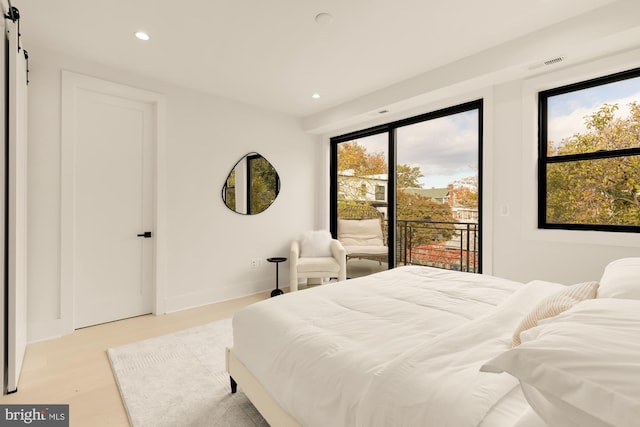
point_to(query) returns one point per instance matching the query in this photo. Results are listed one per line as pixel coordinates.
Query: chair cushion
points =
(360, 232)
(366, 250)
(318, 264)
(315, 244)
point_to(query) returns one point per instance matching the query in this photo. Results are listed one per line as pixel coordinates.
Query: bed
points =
(418, 346)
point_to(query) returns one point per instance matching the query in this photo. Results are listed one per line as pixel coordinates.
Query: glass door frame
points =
(390, 129)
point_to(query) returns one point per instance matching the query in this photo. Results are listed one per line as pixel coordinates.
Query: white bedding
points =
(402, 347)
(508, 411)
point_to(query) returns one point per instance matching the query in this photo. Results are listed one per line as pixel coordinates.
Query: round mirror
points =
(252, 185)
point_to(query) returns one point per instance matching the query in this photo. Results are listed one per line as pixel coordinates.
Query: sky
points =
(567, 112)
(445, 149)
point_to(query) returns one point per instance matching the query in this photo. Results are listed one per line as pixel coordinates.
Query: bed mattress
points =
(395, 348)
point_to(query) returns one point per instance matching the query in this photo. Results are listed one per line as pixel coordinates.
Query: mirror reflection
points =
(252, 185)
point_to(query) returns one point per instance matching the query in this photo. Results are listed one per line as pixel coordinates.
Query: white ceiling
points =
(272, 53)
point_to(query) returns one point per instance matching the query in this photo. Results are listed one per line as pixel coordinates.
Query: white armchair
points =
(316, 256)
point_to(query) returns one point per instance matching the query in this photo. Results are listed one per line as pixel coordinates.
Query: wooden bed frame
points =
(264, 403)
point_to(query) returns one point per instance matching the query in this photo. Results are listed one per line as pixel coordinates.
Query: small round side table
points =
(277, 291)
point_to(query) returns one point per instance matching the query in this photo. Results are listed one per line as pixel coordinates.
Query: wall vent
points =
(554, 60)
(547, 62)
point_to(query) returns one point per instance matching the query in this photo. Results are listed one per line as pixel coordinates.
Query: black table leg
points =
(277, 291)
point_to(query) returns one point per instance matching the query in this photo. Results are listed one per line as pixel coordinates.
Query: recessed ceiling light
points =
(315, 96)
(142, 35)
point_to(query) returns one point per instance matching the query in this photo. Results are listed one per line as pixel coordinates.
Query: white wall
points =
(513, 247)
(522, 251)
(209, 247)
(507, 77)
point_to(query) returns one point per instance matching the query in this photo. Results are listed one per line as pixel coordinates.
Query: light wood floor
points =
(75, 370)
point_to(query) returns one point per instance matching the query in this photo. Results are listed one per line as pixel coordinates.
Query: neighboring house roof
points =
(434, 193)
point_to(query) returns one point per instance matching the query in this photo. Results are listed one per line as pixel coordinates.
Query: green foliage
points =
(417, 210)
(465, 192)
(408, 176)
(230, 190)
(597, 191)
(354, 157)
(264, 184)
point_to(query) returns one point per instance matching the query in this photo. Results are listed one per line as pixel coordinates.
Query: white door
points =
(112, 205)
(16, 209)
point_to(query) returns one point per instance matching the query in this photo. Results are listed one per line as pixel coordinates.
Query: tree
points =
(415, 210)
(465, 191)
(603, 190)
(264, 184)
(354, 157)
(407, 176)
(230, 190)
(356, 165)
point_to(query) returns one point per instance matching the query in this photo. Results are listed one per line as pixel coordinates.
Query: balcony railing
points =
(448, 245)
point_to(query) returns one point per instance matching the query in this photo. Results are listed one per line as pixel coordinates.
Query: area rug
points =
(179, 379)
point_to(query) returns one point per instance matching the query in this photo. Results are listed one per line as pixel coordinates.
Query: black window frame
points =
(390, 129)
(544, 159)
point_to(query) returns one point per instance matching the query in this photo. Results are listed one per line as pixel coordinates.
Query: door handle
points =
(146, 235)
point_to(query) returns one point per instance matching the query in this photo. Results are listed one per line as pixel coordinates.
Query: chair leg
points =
(234, 384)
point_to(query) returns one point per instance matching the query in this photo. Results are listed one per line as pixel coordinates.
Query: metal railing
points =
(448, 245)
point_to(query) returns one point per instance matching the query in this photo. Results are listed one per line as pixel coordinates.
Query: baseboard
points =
(219, 294)
(43, 331)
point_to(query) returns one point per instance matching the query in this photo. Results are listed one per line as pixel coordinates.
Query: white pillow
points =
(582, 367)
(554, 305)
(621, 279)
(315, 244)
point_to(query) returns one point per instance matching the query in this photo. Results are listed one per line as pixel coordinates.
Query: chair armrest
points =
(337, 250)
(294, 254)
(340, 254)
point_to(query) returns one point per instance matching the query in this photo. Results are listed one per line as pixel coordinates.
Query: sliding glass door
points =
(429, 210)
(362, 189)
(437, 191)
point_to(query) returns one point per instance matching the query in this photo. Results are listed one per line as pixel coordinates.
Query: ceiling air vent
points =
(554, 60)
(547, 62)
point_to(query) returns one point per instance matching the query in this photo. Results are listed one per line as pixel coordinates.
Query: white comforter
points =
(399, 348)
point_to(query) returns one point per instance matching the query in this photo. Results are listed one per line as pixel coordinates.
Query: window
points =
(363, 191)
(431, 205)
(589, 155)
